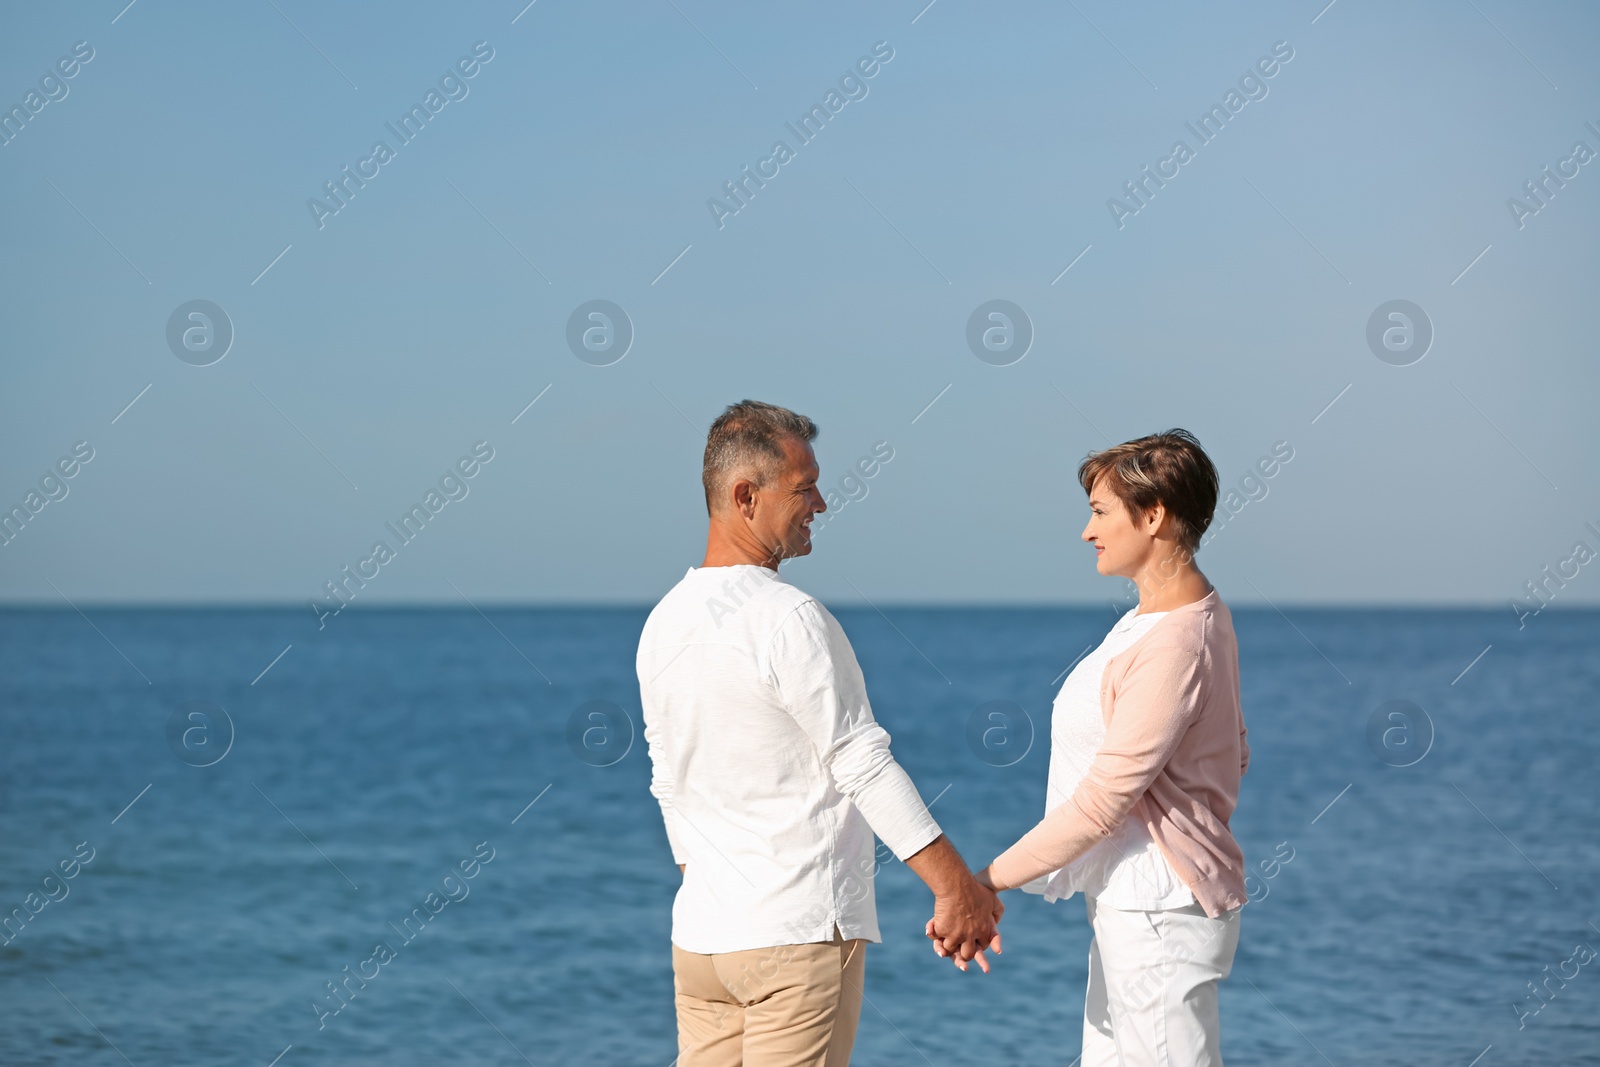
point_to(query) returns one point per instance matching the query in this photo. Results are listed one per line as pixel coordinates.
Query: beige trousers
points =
(786, 1006)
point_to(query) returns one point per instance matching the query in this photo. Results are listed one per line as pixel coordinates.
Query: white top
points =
(771, 773)
(1126, 870)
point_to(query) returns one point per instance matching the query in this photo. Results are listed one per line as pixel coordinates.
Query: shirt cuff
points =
(670, 819)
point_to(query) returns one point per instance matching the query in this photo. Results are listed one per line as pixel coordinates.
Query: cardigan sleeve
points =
(1155, 704)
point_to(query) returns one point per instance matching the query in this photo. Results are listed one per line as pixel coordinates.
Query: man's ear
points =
(744, 497)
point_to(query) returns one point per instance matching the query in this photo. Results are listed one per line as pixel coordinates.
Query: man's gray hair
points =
(747, 441)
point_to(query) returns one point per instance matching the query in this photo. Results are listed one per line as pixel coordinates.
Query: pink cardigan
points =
(1172, 758)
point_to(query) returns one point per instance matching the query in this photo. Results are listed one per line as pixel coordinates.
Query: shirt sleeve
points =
(814, 670)
(1158, 700)
(661, 777)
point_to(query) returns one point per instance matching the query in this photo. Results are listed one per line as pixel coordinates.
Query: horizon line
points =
(630, 605)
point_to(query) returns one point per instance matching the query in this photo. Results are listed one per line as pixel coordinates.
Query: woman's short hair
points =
(1168, 468)
(747, 441)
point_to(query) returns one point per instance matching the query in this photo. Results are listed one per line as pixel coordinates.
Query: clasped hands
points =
(966, 922)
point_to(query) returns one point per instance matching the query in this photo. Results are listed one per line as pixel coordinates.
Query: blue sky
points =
(372, 352)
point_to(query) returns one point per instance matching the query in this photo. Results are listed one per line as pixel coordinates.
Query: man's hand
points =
(971, 932)
(940, 947)
(964, 912)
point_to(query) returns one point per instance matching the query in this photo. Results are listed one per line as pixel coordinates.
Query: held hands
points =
(965, 909)
(965, 923)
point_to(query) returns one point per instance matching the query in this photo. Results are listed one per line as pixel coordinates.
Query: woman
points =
(1147, 748)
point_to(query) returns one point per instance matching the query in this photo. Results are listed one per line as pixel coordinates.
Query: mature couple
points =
(773, 777)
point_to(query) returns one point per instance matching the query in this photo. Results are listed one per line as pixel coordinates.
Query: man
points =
(772, 777)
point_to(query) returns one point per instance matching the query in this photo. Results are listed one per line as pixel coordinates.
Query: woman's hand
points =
(943, 953)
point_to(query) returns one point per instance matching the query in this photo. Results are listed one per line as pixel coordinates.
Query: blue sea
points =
(207, 816)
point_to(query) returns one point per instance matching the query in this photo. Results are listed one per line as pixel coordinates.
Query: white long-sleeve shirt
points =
(771, 773)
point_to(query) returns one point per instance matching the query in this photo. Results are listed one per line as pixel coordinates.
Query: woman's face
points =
(1120, 548)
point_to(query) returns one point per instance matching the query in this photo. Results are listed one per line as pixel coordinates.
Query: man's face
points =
(787, 503)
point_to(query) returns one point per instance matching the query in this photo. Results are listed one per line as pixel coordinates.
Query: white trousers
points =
(1152, 995)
